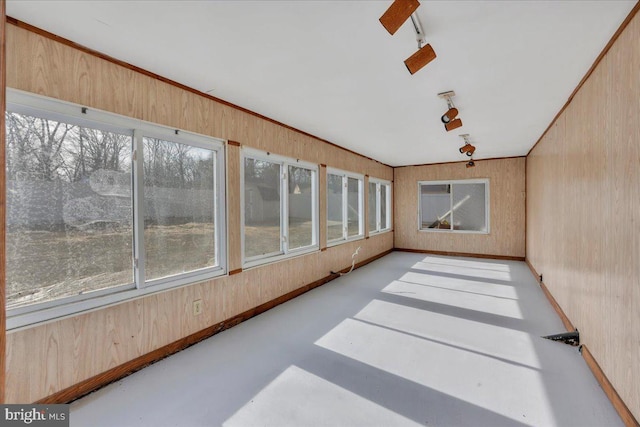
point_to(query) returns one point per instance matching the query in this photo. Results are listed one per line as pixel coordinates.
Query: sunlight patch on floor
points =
(468, 262)
(493, 341)
(462, 267)
(454, 298)
(464, 285)
(495, 385)
(298, 398)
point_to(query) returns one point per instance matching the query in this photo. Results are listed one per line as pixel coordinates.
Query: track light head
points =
(449, 115)
(422, 57)
(468, 149)
(397, 14)
(449, 118)
(453, 124)
(470, 164)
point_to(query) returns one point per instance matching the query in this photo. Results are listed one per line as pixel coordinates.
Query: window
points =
(280, 207)
(454, 206)
(345, 194)
(179, 202)
(379, 205)
(101, 208)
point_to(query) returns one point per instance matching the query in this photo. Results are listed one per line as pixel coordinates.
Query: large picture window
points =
(69, 209)
(280, 207)
(454, 206)
(101, 208)
(179, 202)
(345, 201)
(379, 205)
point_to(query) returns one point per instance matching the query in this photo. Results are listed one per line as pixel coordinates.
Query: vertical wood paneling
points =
(365, 217)
(3, 20)
(47, 358)
(234, 222)
(583, 213)
(507, 208)
(322, 187)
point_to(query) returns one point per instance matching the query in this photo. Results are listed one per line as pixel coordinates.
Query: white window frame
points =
(345, 206)
(484, 181)
(54, 109)
(284, 162)
(379, 226)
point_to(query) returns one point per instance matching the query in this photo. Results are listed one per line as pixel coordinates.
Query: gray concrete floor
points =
(410, 339)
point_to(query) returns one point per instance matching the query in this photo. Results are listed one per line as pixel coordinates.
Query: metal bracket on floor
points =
(571, 338)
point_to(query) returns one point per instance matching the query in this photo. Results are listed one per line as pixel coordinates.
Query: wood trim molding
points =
(236, 271)
(91, 384)
(3, 90)
(234, 143)
(459, 161)
(606, 49)
(617, 402)
(463, 254)
(565, 320)
(67, 42)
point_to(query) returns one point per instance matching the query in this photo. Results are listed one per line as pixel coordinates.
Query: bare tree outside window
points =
(179, 206)
(262, 207)
(69, 209)
(300, 207)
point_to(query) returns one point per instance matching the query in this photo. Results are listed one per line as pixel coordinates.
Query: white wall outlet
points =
(197, 307)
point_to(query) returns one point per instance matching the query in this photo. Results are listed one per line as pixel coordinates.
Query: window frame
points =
(284, 162)
(345, 206)
(27, 103)
(484, 181)
(379, 183)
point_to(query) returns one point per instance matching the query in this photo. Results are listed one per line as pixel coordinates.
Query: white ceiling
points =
(329, 68)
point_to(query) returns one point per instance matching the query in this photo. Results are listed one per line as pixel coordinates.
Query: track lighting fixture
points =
(397, 14)
(470, 164)
(467, 148)
(449, 117)
(455, 124)
(425, 53)
(422, 57)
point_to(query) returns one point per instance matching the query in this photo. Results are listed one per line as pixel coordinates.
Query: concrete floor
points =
(410, 339)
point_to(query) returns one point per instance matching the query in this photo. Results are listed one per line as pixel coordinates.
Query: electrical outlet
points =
(197, 307)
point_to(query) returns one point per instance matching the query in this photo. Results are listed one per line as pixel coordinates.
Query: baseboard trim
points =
(565, 320)
(89, 385)
(617, 402)
(462, 254)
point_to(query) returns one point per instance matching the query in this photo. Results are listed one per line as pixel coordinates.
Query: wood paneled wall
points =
(583, 213)
(3, 11)
(507, 208)
(46, 358)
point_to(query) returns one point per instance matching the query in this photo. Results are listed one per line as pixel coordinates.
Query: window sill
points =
(377, 233)
(23, 317)
(281, 257)
(446, 231)
(341, 241)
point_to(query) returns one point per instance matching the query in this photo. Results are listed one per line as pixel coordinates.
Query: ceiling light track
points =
(417, 28)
